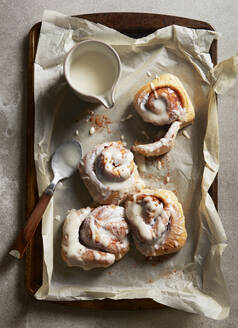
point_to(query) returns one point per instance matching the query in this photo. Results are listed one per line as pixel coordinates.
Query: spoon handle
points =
(23, 239)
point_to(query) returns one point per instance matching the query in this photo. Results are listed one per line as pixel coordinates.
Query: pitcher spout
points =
(107, 100)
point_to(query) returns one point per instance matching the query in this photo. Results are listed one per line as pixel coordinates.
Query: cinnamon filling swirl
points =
(105, 229)
(161, 106)
(95, 238)
(115, 162)
(157, 222)
(165, 102)
(149, 217)
(110, 173)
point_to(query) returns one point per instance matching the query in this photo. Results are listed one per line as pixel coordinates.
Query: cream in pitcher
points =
(92, 69)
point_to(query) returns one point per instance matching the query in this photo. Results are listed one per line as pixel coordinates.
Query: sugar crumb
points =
(57, 217)
(92, 130)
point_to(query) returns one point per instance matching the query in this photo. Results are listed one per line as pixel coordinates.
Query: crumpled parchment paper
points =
(190, 280)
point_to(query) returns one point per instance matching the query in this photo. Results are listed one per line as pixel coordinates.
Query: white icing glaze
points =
(148, 218)
(152, 86)
(76, 254)
(116, 160)
(106, 228)
(99, 185)
(160, 107)
(157, 114)
(161, 146)
(155, 94)
(134, 214)
(155, 221)
(142, 102)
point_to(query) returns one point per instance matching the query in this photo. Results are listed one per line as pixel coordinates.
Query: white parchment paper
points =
(190, 280)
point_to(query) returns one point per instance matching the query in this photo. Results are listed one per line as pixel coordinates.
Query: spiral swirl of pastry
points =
(95, 238)
(110, 173)
(157, 222)
(163, 101)
(116, 162)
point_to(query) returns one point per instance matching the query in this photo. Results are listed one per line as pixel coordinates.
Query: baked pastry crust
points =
(163, 101)
(110, 173)
(95, 238)
(157, 222)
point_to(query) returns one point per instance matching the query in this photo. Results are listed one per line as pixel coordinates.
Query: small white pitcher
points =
(92, 69)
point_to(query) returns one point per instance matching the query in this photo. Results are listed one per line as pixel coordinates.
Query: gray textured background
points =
(17, 309)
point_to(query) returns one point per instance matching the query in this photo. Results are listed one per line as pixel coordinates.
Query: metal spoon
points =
(64, 163)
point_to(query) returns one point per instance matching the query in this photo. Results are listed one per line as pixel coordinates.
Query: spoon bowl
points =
(64, 163)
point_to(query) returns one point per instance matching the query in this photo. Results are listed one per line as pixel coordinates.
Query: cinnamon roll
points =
(157, 222)
(110, 173)
(95, 238)
(164, 101)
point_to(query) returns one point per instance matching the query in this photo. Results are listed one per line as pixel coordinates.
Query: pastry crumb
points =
(122, 137)
(92, 130)
(128, 117)
(148, 73)
(167, 179)
(185, 134)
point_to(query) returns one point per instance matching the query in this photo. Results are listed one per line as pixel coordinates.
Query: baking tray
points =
(135, 25)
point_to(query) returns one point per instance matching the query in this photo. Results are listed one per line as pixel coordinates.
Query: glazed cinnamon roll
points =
(95, 238)
(110, 173)
(157, 222)
(164, 101)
